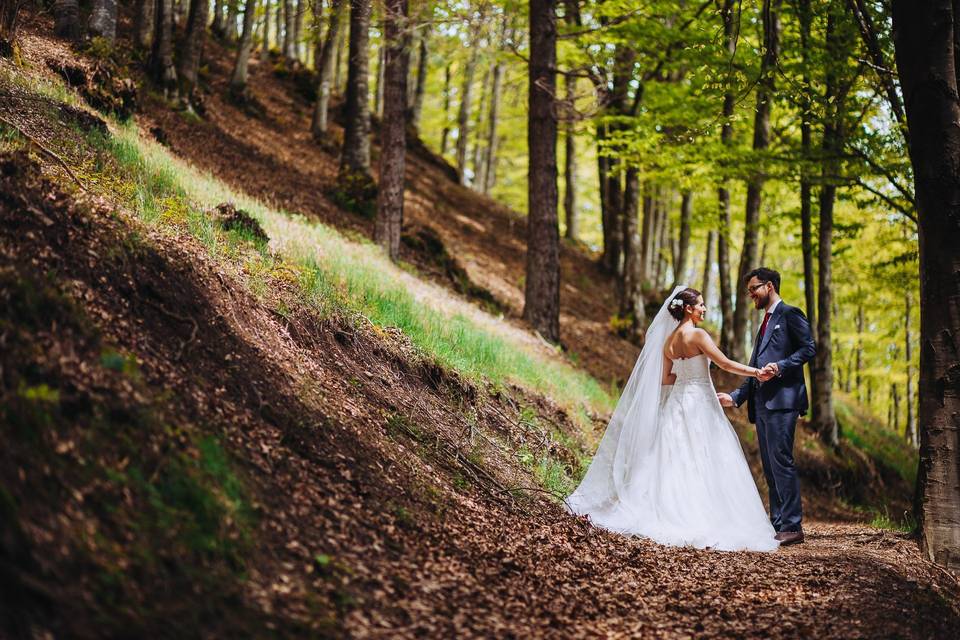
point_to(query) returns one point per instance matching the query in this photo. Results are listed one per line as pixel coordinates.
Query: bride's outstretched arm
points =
(703, 340)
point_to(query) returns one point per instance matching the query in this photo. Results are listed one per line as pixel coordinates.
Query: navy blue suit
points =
(775, 405)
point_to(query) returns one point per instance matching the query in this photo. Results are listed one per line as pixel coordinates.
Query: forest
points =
(308, 304)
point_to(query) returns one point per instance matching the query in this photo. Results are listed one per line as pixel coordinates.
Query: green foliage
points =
(866, 433)
(356, 191)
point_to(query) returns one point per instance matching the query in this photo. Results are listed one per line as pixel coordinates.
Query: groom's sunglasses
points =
(757, 286)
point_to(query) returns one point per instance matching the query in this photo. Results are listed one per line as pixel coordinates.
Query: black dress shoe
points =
(789, 537)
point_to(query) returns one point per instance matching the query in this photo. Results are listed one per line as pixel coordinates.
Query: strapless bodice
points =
(692, 370)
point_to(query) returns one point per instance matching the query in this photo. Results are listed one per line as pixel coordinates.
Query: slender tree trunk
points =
(233, 12)
(378, 89)
(338, 67)
(289, 31)
(143, 24)
(859, 359)
(265, 49)
(806, 217)
(730, 22)
(356, 137)
(608, 259)
(646, 237)
(895, 411)
(421, 87)
(325, 64)
(191, 48)
(570, 160)
(542, 289)
(219, 22)
(238, 82)
(663, 226)
(708, 257)
(493, 139)
(908, 349)
(683, 246)
(445, 134)
(103, 20)
(761, 140)
(479, 137)
(393, 130)
(66, 15)
(631, 299)
(463, 116)
(161, 59)
(298, 30)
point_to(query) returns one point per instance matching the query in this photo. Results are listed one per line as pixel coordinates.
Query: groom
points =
(782, 346)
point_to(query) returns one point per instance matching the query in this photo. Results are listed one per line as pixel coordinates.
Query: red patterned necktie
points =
(763, 327)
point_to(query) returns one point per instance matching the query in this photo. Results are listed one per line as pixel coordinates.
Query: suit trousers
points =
(775, 431)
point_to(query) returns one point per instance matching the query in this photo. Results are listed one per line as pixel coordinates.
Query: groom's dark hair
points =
(765, 275)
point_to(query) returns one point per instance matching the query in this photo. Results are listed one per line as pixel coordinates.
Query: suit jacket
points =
(788, 342)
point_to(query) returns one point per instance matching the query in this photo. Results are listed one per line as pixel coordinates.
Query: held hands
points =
(725, 399)
(769, 371)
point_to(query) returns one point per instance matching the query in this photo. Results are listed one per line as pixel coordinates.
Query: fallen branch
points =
(45, 150)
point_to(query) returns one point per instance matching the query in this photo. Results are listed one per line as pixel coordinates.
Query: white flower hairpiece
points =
(676, 302)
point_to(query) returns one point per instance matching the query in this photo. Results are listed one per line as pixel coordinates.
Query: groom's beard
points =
(761, 303)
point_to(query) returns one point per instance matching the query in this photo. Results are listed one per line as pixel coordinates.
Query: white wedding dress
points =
(670, 466)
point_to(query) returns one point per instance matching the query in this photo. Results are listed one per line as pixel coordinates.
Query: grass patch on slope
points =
(333, 272)
(866, 432)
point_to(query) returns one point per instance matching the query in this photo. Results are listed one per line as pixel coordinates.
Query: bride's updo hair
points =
(680, 301)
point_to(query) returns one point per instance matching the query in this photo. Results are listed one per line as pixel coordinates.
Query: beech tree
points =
(393, 134)
(926, 36)
(190, 49)
(325, 64)
(542, 289)
(66, 14)
(161, 57)
(355, 160)
(238, 80)
(103, 20)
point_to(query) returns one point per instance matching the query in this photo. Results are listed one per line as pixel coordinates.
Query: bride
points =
(670, 466)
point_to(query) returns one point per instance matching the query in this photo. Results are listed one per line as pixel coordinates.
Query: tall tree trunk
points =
(895, 407)
(570, 160)
(463, 115)
(908, 349)
(493, 139)
(806, 217)
(662, 239)
(708, 257)
(324, 65)
(143, 24)
(631, 299)
(730, 22)
(230, 28)
(542, 289)
(219, 22)
(378, 89)
(356, 137)
(265, 50)
(683, 246)
(393, 141)
(66, 15)
(646, 236)
(423, 67)
(445, 134)
(479, 137)
(103, 20)
(338, 67)
(191, 48)
(824, 420)
(298, 16)
(161, 59)
(761, 140)
(238, 82)
(603, 169)
(290, 31)
(859, 360)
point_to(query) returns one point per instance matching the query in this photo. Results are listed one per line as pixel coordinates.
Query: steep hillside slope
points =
(202, 436)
